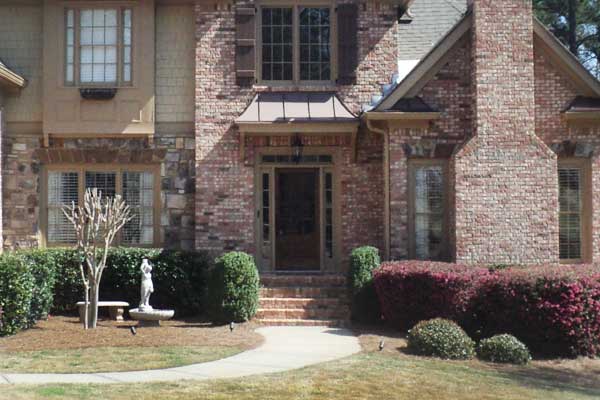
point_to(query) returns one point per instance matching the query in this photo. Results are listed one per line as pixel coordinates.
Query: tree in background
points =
(96, 224)
(577, 24)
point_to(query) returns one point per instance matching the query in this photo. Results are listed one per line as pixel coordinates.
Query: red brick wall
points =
(225, 185)
(506, 181)
(450, 93)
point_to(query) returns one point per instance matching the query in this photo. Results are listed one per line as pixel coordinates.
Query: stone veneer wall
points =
(506, 179)
(24, 157)
(225, 185)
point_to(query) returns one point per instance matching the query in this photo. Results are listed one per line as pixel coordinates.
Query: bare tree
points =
(96, 224)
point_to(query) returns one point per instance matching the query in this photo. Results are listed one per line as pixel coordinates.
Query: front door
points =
(295, 215)
(297, 222)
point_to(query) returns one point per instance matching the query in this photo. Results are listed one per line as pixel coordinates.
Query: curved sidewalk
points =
(284, 349)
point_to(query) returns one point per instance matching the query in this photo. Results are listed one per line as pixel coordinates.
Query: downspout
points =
(386, 184)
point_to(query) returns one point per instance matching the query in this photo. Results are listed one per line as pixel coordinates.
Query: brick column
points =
(505, 177)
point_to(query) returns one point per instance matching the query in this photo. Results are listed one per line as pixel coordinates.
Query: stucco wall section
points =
(21, 50)
(175, 47)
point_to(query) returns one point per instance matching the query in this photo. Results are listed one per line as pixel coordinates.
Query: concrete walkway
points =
(284, 349)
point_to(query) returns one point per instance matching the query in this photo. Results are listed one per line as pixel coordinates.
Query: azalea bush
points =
(412, 291)
(554, 310)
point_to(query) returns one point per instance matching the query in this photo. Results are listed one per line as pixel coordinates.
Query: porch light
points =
(297, 146)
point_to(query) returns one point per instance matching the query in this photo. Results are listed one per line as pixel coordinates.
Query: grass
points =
(370, 375)
(103, 359)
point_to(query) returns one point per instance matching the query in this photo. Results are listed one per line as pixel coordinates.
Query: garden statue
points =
(147, 287)
(145, 314)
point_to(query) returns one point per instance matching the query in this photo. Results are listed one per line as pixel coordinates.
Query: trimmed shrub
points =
(365, 305)
(440, 338)
(16, 290)
(503, 349)
(180, 278)
(413, 291)
(233, 288)
(554, 310)
(42, 294)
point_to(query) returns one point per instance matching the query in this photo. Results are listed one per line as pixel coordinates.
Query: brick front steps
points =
(303, 300)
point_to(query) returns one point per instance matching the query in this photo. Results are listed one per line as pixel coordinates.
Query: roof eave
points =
(427, 64)
(587, 81)
(9, 78)
(308, 127)
(399, 115)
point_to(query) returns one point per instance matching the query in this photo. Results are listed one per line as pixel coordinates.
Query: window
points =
(296, 43)
(427, 210)
(137, 187)
(572, 204)
(98, 46)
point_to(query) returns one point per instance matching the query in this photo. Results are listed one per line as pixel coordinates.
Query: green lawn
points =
(365, 376)
(102, 359)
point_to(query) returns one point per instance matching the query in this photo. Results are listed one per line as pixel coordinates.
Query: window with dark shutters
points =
(245, 58)
(347, 15)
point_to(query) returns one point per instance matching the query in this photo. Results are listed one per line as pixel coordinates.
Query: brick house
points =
(434, 129)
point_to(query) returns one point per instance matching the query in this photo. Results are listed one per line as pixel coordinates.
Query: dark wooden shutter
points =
(245, 44)
(347, 16)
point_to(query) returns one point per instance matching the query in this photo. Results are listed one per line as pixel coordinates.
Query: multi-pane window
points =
(570, 218)
(277, 44)
(428, 211)
(315, 48)
(136, 187)
(98, 46)
(296, 43)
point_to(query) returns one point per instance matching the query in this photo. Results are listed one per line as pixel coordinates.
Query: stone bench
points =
(115, 309)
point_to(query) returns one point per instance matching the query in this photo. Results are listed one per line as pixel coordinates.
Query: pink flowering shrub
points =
(554, 310)
(414, 291)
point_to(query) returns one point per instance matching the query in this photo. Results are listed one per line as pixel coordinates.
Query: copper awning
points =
(287, 108)
(290, 113)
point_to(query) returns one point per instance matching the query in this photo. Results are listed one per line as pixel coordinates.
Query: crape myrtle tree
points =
(577, 24)
(96, 224)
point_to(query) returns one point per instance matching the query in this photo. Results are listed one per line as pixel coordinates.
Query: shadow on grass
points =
(551, 378)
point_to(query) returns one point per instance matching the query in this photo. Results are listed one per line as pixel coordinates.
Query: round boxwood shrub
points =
(233, 288)
(365, 304)
(440, 338)
(503, 349)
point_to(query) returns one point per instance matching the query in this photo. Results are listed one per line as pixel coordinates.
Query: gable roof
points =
(441, 52)
(10, 78)
(424, 24)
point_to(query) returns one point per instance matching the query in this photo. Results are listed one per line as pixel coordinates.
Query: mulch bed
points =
(61, 332)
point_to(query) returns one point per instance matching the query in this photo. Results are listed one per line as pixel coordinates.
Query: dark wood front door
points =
(297, 242)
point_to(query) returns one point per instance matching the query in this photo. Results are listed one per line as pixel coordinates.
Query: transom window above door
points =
(98, 46)
(296, 43)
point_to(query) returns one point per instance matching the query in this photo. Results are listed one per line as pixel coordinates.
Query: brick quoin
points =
(506, 186)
